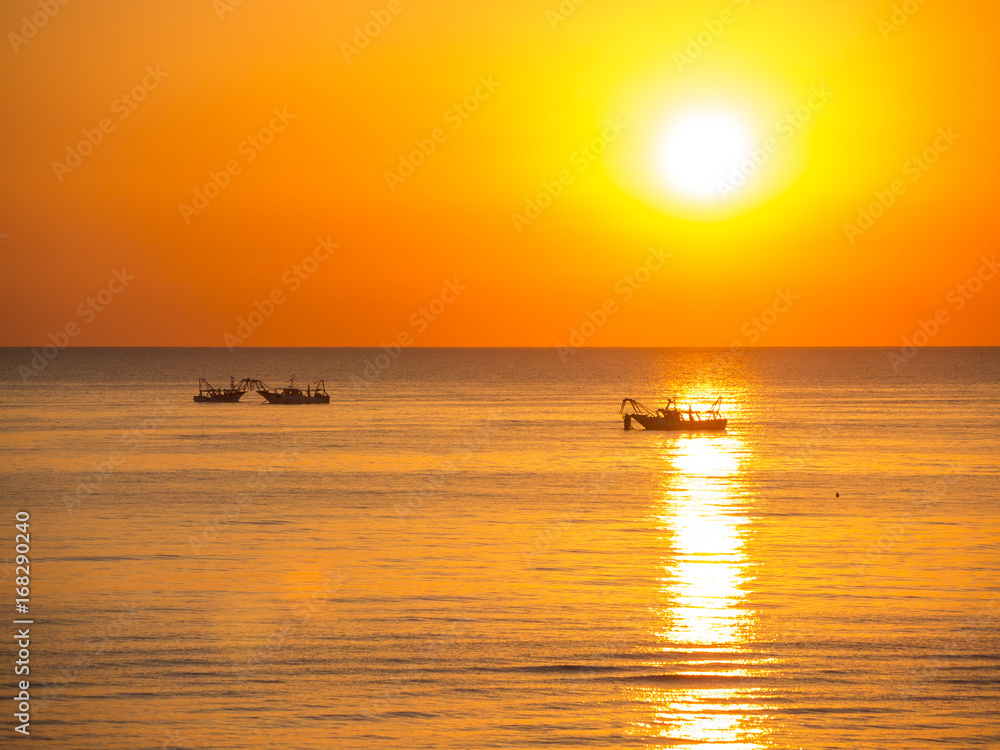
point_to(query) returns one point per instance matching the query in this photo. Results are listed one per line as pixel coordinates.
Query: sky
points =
(525, 173)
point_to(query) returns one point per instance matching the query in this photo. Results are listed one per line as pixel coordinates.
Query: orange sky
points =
(506, 98)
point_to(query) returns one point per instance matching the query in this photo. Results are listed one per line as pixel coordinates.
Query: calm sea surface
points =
(464, 549)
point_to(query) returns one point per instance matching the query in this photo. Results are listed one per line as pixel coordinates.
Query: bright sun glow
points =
(700, 150)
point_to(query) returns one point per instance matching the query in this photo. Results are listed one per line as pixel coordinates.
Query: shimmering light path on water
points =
(471, 552)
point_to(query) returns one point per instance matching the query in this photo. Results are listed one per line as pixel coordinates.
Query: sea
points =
(465, 549)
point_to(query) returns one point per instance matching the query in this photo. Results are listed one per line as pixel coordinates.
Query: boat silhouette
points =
(313, 394)
(291, 395)
(209, 393)
(672, 417)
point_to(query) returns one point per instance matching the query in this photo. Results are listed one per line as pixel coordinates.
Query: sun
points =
(699, 151)
(708, 151)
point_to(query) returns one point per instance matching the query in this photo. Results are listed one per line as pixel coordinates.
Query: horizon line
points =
(516, 346)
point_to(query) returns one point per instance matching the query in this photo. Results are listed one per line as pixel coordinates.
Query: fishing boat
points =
(207, 392)
(672, 417)
(291, 395)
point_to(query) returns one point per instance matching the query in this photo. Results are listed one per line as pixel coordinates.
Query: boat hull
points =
(229, 398)
(675, 425)
(291, 398)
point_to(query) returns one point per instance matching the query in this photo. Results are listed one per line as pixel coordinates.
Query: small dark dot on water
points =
(838, 494)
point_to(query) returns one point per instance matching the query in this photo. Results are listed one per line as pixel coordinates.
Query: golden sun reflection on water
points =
(707, 572)
(705, 622)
